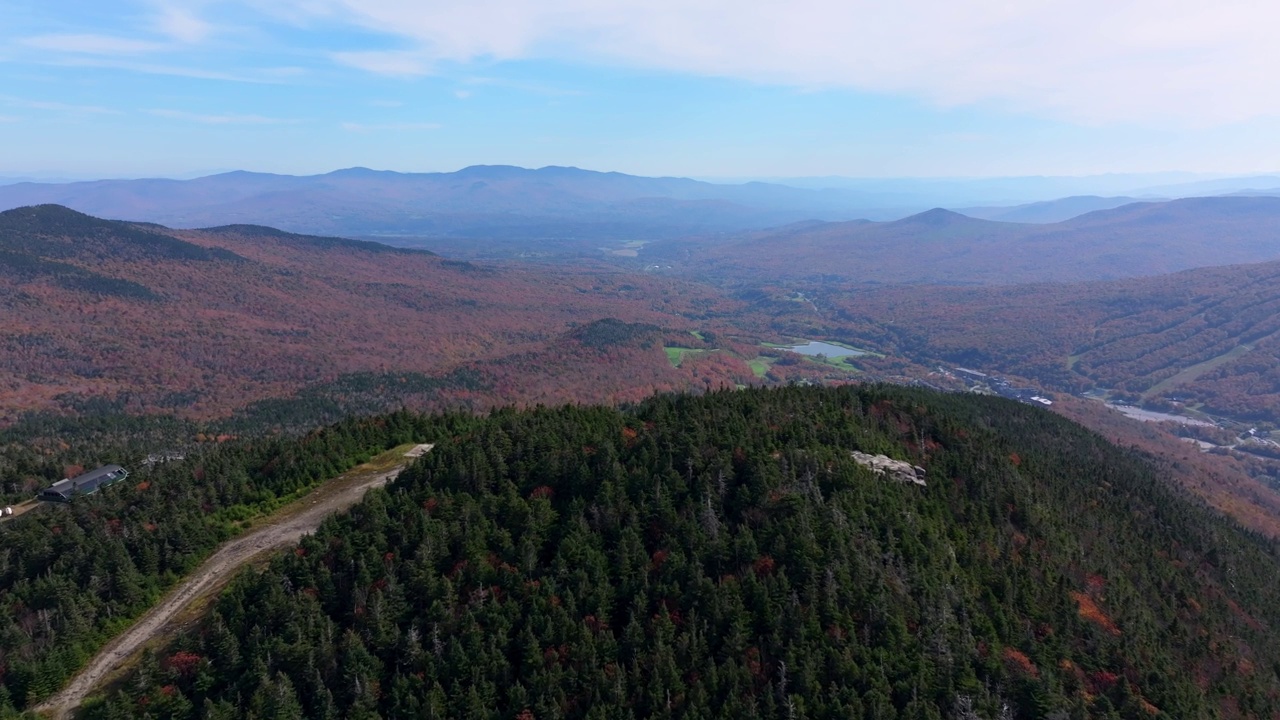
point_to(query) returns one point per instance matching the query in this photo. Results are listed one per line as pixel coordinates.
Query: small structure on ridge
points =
(91, 482)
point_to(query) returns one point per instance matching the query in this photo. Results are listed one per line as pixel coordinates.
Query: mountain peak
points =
(362, 172)
(492, 171)
(937, 217)
(46, 211)
(55, 231)
(53, 220)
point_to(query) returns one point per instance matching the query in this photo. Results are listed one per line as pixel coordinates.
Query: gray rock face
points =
(893, 469)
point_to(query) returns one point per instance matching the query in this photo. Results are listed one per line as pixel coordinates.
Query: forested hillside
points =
(726, 556)
(73, 576)
(1209, 336)
(944, 247)
(202, 323)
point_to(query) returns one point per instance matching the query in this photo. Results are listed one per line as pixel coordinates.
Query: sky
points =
(701, 88)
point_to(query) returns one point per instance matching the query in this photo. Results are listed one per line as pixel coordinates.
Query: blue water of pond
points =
(813, 347)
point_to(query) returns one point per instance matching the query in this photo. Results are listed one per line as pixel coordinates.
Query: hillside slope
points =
(1048, 211)
(203, 322)
(726, 556)
(74, 576)
(944, 247)
(1209, 336)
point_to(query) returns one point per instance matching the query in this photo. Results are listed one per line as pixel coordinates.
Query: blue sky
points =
(705, 88)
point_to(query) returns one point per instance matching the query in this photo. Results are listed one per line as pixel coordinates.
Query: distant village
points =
(988, 384)
(1216, 435)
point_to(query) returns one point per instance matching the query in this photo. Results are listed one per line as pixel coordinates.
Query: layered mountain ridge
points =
(505, 201)
(944, 247)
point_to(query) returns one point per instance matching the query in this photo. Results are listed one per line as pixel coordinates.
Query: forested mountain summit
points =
(944, 247)
(727, 556)
(57, 232)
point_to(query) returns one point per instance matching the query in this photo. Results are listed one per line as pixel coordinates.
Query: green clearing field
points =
(677, 354)
(760, 365)
(840, 362)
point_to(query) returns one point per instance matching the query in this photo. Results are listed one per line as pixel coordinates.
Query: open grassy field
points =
(677, 354)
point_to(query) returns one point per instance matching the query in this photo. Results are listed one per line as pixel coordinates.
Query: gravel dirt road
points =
(281, 529)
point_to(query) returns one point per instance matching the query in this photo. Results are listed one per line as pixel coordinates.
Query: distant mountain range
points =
(512, 211)
(1020, 190)
(940, 246)
(1048, 211)
(552, 203)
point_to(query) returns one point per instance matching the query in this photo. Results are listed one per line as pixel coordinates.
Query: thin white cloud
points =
(59, 106)
(92, 44)
(1092, 61)
(393, 127)
(533, 88)
(261, 76)
(282, 73)
(227, 119)
(180, 21)
(386, 62)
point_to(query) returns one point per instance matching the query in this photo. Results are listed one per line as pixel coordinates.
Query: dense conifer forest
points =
(726, 556)
(73, 576)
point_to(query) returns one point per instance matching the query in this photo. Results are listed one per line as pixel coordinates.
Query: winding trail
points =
(280, 529)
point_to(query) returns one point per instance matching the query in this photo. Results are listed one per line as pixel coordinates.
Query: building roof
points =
(88, 481)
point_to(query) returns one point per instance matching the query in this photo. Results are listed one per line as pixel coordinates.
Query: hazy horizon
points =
(57, 176)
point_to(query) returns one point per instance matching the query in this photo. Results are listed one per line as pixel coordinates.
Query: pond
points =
(813, 347)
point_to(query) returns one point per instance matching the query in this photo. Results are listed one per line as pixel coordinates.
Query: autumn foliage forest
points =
(257, 330)
(202, 323)
(123, 317)
(725, 556)
(138, 318)
(670, 556)
(1208, 337)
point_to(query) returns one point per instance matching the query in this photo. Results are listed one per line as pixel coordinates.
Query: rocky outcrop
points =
(893, 469)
